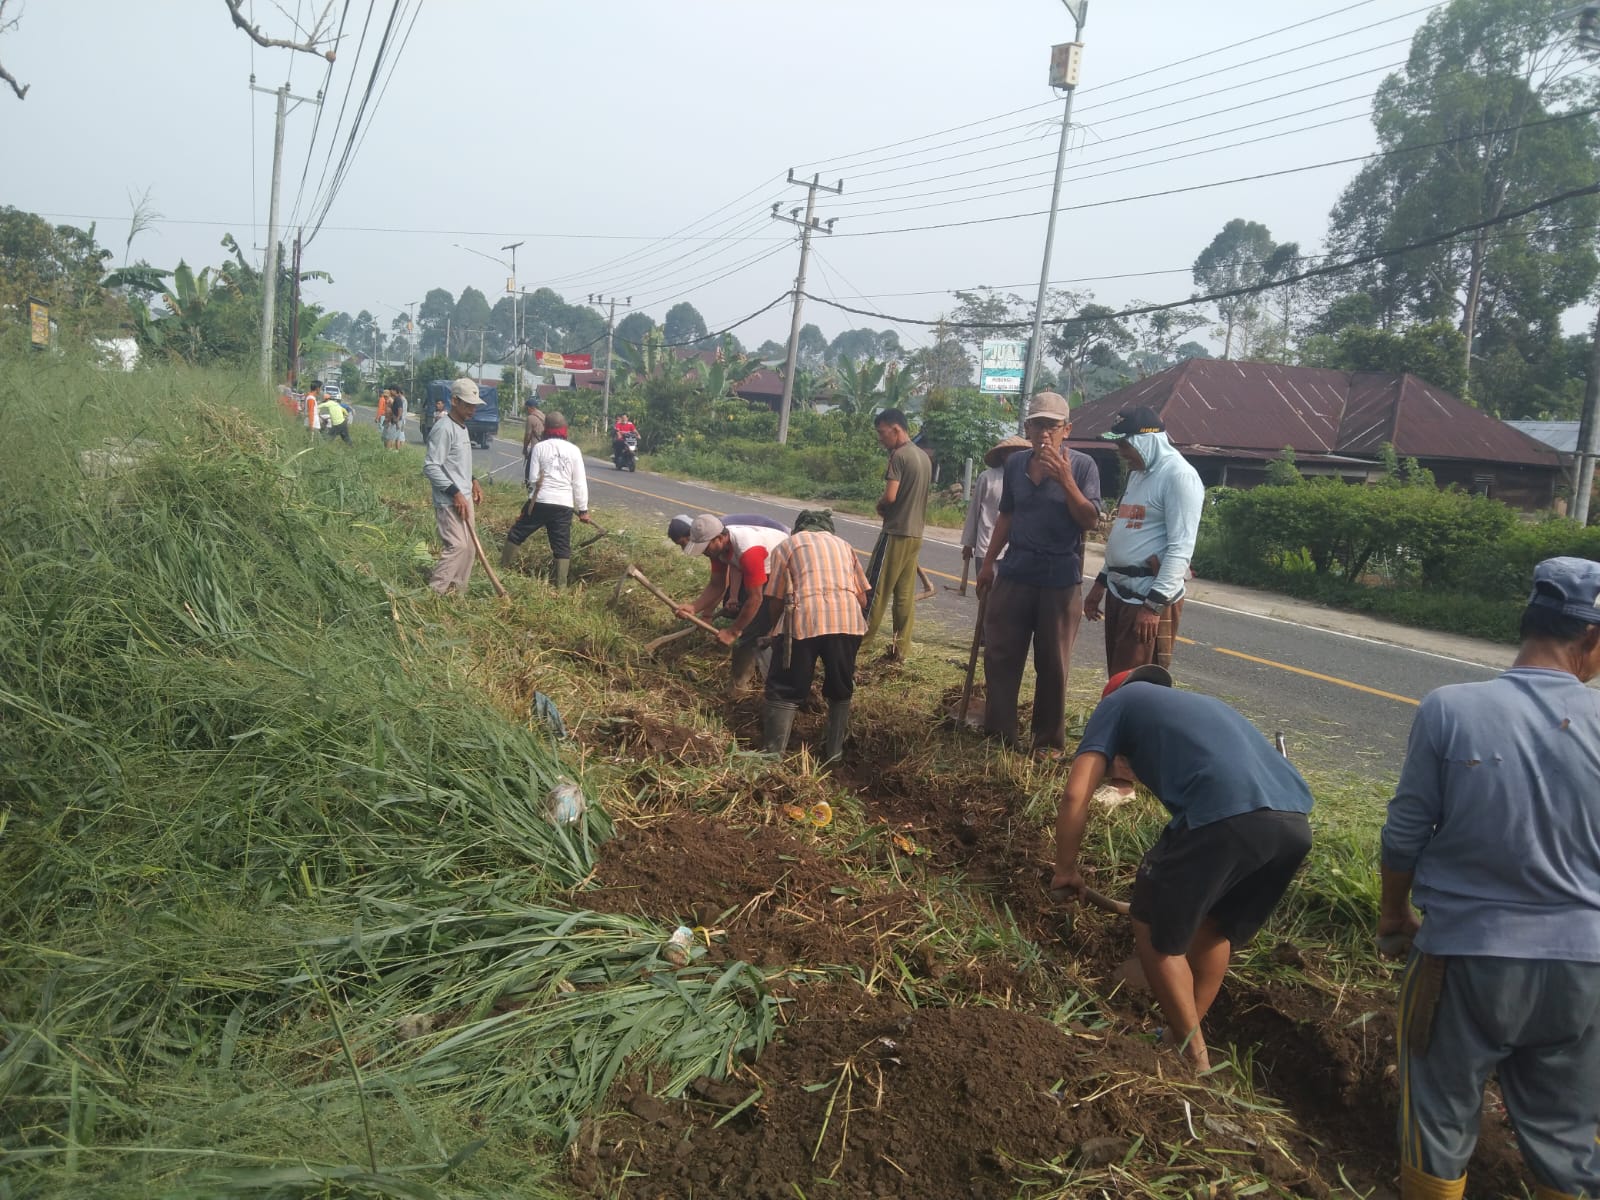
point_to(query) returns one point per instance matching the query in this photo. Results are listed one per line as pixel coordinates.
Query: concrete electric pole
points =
(516, 347)
(807, 227)
(1588, 447)
(1065, 60)
(611, 328)
(269, 269)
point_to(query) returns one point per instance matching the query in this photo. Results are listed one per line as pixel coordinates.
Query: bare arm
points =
(1088, 769)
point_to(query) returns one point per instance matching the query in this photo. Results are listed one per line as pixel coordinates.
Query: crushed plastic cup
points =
(679, 946)
(565, 804)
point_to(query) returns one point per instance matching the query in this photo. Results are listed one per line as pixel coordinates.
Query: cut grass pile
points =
(282, 912)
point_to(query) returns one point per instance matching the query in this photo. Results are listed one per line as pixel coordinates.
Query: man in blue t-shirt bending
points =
(1237, 836)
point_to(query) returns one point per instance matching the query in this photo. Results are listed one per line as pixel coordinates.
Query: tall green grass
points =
(280, 909)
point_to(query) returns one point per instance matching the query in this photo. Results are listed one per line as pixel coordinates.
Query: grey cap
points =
(1571, 586)
(1049, 404)
(703, 530)
(466, 391)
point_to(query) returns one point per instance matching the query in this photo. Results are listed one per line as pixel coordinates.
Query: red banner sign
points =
(549, 360)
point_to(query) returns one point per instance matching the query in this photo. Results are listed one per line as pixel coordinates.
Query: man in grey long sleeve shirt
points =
(1494, 829)
(447, 465)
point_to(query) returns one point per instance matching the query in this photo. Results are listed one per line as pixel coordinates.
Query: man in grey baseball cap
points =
(1494, 833)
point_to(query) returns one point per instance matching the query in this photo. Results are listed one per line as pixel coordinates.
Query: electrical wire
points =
(333, 138)
(1359, 260)
(316, 124)
(689, 286)
(1200, 187)
(736, 229)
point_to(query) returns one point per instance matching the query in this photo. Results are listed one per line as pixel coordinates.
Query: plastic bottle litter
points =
(678, 947)
(565, 805)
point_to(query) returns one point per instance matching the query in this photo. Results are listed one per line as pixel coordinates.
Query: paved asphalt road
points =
(1341, 701)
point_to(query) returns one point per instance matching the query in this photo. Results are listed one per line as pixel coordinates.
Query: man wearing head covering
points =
(558, 487)
(739, 572)
(447, 466)
(984, 506)
(1147, 556)
(1237, 836)
(1494, 833)
(532, 425)
(1049, 496)
(678, 527)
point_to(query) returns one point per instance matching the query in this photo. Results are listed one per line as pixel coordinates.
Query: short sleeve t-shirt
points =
(748, 551)
(914, 470)
(1203, 761)
(1046, 545)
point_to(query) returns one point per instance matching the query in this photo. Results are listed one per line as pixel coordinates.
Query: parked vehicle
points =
(484, 425)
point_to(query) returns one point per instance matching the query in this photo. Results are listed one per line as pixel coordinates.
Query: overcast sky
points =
(588, 130)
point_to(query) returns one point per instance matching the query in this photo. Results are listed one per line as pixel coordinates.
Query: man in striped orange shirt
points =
(816, 587)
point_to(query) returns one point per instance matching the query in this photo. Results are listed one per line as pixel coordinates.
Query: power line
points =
(1359, 260)
(1200, 187)
(349, 85)
(316, 125)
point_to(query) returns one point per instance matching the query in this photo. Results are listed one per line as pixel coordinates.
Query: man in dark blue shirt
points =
(1237, 836)
(1049, 497)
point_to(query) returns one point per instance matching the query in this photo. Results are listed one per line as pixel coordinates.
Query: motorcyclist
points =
(624, 439)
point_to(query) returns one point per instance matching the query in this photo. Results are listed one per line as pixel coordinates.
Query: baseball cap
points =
(1149, 673)
(466, 391)
(678, 527)
(1135, 420)
(1049, 404)
(1571, 586)
(703, 530)
(554, 422)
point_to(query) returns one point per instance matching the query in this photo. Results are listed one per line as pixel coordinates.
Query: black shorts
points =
(1234, 871)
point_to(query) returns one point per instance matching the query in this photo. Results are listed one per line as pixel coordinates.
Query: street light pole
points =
(1063, 74)
(611, 326)
(516, 348)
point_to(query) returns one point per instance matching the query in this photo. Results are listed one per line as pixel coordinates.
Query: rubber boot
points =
(742, 666)
(508, 555)
(777, 720)
(562, 566)
(838, 728)
(1416, 1184)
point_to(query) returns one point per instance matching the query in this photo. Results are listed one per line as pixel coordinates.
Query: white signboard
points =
(1001, 365)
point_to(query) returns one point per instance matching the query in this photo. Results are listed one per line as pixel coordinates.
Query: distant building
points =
(1232, 419)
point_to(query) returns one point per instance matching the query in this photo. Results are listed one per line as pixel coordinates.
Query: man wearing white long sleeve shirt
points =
(984, 507)
(1147, 558)
(447, 465)
(557, 487)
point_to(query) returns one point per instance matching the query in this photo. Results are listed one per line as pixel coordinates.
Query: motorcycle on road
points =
(625, 451)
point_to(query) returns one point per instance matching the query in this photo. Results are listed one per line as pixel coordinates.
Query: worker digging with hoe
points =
(739, 556)
(820, 594)
(1147, 558)
(893, 569)
(1049, 498)
(1237, 836)
(1494, 832)
(447, 466)
(558, 487)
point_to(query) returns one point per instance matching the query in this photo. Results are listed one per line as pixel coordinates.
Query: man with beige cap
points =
(1050, 496)
(447, 465)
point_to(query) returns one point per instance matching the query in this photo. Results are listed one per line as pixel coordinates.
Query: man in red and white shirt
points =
(821, 594)
(739, 570)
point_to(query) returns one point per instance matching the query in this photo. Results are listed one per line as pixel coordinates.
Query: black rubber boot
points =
(777, 720)
(838, 730)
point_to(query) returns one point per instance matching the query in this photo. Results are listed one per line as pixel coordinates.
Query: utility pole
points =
(1064, 63)
(516, 348)
(611, 326)
(807, 227)
(294, 314)
(1588, 447)
(411, 344)
(269, 270)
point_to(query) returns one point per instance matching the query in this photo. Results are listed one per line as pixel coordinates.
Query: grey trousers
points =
(1015, 616)
(1534, 1023)
(455, 564)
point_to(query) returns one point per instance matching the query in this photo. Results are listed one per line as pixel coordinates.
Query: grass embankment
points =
(283, 913)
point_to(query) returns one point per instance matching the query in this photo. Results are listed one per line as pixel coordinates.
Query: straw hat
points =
(1001, 451)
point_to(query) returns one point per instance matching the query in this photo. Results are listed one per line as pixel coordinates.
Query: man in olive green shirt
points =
(905, 499)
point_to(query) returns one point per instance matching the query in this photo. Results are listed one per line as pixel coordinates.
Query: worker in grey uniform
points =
(1494, 832)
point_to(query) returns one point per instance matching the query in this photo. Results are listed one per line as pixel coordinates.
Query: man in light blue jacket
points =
(1148, 550)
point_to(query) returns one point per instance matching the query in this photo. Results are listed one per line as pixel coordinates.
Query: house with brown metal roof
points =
(1232, 419)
